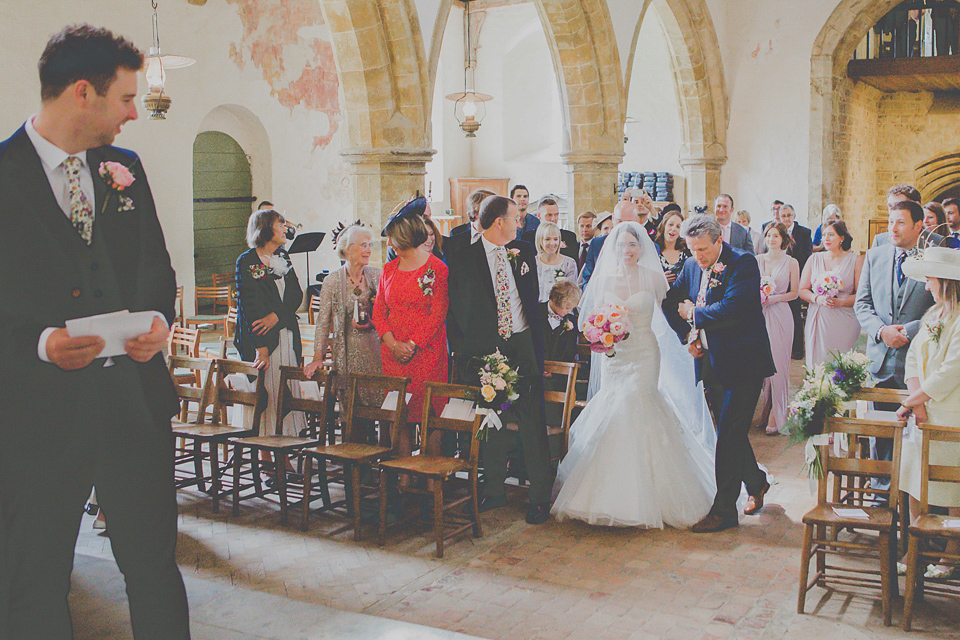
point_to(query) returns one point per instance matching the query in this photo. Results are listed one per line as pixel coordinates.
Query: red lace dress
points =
(413, 305)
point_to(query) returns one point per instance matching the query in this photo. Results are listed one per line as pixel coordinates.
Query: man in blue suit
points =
(625, 211)
(714, 307)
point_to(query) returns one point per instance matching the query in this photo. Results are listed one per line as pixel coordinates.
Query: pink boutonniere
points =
(513, 255)
(567, 325)
(715, 274)
(426, 282)
(118, 177)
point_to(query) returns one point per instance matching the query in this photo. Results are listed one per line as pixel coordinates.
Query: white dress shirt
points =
(725, 232)
(52, 158)
(516, 305)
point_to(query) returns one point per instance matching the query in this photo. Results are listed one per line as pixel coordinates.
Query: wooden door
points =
(461, 188)
(222, 204)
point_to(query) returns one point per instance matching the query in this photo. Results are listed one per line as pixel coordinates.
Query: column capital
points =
(707, 162)
(388, 156)
(592, 157)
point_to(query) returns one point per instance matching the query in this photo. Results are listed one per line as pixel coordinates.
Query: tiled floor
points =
(565, 580)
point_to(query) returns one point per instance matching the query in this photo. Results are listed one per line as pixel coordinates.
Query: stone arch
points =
(701, 88)
(938, 175)
(830, 92)
(585, 55)
(245, 127)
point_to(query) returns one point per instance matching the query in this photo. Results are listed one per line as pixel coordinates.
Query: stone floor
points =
(249, 577)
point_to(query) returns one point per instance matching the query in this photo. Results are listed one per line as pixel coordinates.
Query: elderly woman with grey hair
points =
(346, 310)
(831, 213)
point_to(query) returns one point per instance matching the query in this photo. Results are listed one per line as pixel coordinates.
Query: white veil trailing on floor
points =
(615, 279)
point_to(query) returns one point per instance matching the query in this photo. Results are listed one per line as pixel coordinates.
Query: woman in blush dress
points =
(831, 323)
(781, 273)
(410, 311)
(551, 264)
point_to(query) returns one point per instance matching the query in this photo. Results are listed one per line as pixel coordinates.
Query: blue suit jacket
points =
(593, 252)
(737, 341)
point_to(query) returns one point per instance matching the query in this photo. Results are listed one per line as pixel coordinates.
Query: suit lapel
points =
(33, 189)
(482, 266)
(99, 185)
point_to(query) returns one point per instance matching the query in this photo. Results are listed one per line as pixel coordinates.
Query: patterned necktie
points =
(704, 284)
(81, 213)
(900, 258)
(502, 287)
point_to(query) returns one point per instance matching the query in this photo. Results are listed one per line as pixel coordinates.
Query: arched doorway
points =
(222, 203)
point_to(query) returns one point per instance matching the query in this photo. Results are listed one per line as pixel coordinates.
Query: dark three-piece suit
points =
(64, 431)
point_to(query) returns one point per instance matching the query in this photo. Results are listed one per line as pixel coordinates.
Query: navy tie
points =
(900, 258)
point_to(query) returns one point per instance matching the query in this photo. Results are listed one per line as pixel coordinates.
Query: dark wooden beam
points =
(939, 73)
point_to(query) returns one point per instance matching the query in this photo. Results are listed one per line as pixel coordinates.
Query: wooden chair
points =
(437, 471)
(566, 399)
(222, 295)
(312, 309)
(281, 447)
(216, 433)
(192, 389)
(356, 451)
(230, 322)
(584, 356)
(224, 279)
(926, 525)
(881, 521)
(178, 307)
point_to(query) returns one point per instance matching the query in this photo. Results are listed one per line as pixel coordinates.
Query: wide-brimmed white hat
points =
(937, 262)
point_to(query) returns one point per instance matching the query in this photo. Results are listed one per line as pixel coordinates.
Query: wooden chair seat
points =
(207, 318)
(275, 443)
(208, 431)
(428, 466)
(881, 518)
(932, 526)
(350, 452)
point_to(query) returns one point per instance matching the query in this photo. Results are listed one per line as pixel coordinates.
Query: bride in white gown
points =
(641, 452)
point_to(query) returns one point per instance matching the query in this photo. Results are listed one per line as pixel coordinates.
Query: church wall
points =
(858, 177)
(272, 60)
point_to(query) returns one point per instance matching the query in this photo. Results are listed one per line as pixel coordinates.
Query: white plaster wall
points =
(311, 185)
(655, 139)
(765, 47)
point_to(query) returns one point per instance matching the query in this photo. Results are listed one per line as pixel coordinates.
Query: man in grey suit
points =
(735, 235)
(889, 306)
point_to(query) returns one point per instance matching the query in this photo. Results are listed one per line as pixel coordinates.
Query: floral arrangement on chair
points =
(825, 388)
(606, 326)
(498, 390)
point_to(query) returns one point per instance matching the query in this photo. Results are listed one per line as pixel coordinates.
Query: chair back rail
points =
(935, 472)
(187, 393)
(841, 468)
(226, 396)
(433, 422)
(287, 402)
(394, 419)
(880, 394)
(218, 295)
(184, 340)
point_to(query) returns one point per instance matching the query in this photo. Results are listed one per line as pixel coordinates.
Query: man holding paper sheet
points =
(69, 420)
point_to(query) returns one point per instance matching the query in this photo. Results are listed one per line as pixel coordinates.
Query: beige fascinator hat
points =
(936, 262)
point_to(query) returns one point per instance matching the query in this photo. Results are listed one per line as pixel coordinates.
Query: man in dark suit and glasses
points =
(494, 296)
(72, 419)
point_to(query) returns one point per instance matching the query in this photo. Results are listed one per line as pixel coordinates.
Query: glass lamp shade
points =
(156, 65)
(465, 109)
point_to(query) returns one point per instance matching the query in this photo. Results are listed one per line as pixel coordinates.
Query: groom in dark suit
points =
(493, 292)
(69, 420)
(714, 306)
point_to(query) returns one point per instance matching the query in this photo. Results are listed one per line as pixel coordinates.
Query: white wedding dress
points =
(631, 461)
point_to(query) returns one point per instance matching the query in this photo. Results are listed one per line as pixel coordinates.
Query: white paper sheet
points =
(392, 399)
(459, 409)
(851, 513)
(115, 328)
(952, 524)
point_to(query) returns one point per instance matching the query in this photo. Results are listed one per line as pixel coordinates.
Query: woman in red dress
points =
(410, 311)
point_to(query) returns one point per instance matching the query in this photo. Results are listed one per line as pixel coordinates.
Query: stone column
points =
(381, 179)
(591, 180)
(703, 177)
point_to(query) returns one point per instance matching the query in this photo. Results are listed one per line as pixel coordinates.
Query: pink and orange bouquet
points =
(766, 288)
(828, 285)
(606, 326)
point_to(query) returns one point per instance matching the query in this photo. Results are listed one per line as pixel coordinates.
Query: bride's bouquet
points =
(498, 390)
(605, 327)
(829, 285)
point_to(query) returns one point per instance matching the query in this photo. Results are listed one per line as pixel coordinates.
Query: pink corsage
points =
(715, 274)
(118, 177)
(426, 282)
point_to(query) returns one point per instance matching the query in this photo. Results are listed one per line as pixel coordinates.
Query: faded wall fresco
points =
(286, 41)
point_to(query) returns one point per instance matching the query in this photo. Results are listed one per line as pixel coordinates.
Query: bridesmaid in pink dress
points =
(783, 272)
(831, 323)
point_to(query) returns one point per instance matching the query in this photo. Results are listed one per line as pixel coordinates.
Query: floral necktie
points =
(81, 213)
(502, 286)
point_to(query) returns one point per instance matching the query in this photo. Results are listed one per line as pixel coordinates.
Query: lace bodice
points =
(639, 354)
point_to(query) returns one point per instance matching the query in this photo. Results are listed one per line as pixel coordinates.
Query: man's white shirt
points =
(516, 305)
